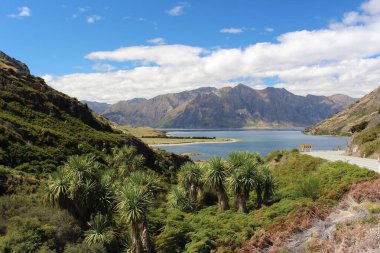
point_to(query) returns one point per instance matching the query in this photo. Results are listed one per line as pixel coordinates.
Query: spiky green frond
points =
(215, 173)
(133, 202)
(100, 231)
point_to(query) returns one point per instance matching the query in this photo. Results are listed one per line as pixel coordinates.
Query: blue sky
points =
(59, 38)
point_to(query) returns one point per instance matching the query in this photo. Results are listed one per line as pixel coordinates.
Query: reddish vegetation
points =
(367, 190)
(273, 238)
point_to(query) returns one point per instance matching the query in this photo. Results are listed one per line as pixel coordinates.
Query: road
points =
(331, 155)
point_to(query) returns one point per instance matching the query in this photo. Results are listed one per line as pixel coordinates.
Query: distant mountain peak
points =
(238, 106)
(242, 86)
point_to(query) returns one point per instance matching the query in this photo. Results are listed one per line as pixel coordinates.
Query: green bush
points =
(310, 188)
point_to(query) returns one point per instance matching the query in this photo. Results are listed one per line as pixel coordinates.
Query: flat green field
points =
(154, 137)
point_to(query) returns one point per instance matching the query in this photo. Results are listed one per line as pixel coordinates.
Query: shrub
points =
(310, 188)
(359, 127)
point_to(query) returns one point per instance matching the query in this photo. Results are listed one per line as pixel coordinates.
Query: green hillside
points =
(40, 127)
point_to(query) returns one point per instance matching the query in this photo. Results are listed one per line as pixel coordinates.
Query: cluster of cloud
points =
(342, 58)
(93, 18)
(177, 10)
(156, 41)
(23, 11)
(90, 19)
(232, 30)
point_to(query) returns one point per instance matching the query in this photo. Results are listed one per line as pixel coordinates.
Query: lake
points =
(254, 140)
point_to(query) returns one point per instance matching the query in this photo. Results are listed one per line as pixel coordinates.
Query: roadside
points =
(333, 155)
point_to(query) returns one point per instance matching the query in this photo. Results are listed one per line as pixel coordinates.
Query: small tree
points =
(190, 178)
(215, 177)
(133, 202)
(243, 176)
(310, 187)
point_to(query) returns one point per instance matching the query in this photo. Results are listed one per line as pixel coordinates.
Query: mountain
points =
(362, 120)
(228, 107)
(96, 106)
(40, 127)
(344, 122)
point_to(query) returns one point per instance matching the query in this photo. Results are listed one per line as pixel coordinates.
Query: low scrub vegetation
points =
(119, 204)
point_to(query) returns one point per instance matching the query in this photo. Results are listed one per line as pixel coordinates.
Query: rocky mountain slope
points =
(361, 115)
(229, 107)
(96, 106)
(40, 127)
(362, 120)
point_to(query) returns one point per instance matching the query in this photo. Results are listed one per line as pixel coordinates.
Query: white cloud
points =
(103, 67)
(343, 58)
(269, 29)
(177, 10)
(79, 12)
(232, 30)
(163, 55)
(93, 18)
(23, 11)
(157, 41)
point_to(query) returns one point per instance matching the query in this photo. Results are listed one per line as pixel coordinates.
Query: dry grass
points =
(171, 141)
(353, 226)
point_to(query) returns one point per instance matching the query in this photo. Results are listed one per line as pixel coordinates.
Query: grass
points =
(153, 137)
(368, 141)
(172, 141)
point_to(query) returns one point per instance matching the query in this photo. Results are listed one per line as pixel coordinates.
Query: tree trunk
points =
(242, 205)
(146, 241)
(236, 201)
(137, 246)
(193, 193)
(223, 200)
(259, 197)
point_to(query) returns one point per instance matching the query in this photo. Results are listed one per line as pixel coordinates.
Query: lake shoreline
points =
(194, 142)
(261, 141)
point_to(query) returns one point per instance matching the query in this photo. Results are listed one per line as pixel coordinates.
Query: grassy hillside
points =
(361, 121)
(364, 113)
(40, 127)
(366, 143)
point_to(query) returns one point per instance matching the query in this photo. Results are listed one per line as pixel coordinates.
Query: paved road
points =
(331, 155)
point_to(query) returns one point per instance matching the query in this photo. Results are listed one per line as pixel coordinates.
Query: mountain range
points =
(228, 107)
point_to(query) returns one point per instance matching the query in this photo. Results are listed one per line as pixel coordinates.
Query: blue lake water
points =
(262, 141)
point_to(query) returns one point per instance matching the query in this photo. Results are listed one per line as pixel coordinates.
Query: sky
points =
(108, 51)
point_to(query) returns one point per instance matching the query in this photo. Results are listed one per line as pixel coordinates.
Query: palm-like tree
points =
(132, 205)
(190, 179)
(76, 186)
(149, 183)
(243, 173)
(269, 184)
(100, 231)
(57, 189)
(124, 160)
(82, 167)
(215, 177)
(149, 180)
(241, 183)
(179, 200)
